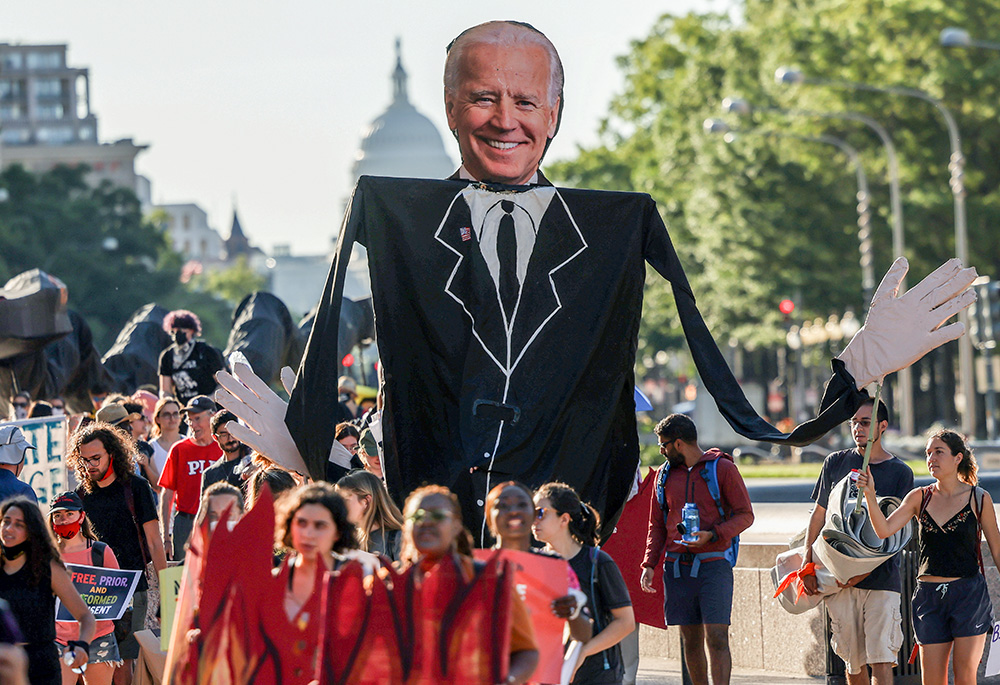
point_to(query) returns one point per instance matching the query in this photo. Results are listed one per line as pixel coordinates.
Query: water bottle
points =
(692, 521)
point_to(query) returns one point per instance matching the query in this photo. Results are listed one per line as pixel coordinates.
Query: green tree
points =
(232, 284)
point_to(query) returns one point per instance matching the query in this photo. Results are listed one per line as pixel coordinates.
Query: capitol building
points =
(399, 142)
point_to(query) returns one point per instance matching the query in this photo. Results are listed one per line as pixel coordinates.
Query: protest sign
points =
(107, 591)
(45, 466)
(170, 588)
(539, 579)
(993, 661)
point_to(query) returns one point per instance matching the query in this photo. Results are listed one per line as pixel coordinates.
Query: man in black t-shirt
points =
(865, 614)
(187, 368)
(119, 505)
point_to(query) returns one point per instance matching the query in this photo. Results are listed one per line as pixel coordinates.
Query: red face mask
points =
(67, 531)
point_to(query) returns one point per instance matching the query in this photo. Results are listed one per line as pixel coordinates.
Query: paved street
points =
(667, 672)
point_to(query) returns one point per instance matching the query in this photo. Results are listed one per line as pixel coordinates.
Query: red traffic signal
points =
(786, 306)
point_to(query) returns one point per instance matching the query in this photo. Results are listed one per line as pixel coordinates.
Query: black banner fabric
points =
(507, 321)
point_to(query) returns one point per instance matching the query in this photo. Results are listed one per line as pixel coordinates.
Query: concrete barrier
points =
(765, 636)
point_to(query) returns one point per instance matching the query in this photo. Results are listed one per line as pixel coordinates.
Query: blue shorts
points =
(944, 611)
(703, 600)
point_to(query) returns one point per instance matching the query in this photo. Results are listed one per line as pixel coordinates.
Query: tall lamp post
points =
(742, 107)
(956, 165)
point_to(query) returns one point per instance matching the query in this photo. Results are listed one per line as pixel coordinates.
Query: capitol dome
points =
(402, 141)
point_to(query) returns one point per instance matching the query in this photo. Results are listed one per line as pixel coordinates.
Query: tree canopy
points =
(765, 217)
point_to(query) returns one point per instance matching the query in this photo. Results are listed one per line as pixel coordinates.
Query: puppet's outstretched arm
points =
(900, 329)
(263, 412)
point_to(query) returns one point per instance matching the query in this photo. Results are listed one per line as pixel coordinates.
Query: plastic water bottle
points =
(692, 521)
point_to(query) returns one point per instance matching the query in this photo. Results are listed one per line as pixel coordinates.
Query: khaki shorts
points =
(866, 626)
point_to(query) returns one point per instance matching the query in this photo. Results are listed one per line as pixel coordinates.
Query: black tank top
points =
(34, 607)
(951, 550)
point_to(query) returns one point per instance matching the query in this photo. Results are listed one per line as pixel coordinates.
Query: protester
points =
(78, 544)
(278, 480)
(313, 524)
(19, 406)
(569, 528)
(187, 368)
(181, 477)
(433, 532)
(13, 449)
(697, 576)
(235, 455)
(952, 613)
(216, 499)
(510, 509)
(865, 615)
(58, 406)
(369, 451)
(378, 520)
(166, 429)
(343, 452)
(39, 410)
(119, 504)
(31, 577)
(347, 389)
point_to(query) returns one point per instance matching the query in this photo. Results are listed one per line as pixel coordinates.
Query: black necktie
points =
(507, 256)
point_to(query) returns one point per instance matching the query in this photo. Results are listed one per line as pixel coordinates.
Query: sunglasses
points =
(432, 515)
(540, 513)
(20, 405)
(170, 414)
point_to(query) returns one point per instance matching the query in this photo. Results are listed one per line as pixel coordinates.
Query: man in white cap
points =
(13, 448)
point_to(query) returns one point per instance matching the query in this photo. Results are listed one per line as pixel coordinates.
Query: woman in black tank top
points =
(31, 577)
(952, 614)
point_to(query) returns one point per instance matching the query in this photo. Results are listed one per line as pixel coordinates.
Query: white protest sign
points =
(45, 466)
(993, 662)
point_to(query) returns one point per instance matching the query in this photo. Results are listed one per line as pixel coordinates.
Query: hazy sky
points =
(265, 102)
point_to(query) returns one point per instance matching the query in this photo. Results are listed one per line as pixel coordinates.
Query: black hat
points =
(200, 403)
(67, 501)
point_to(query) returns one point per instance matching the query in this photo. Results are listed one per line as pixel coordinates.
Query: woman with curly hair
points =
(569, 528)
(312, 524)
(31, 577)
(952, 613)
(187, 368)
(379, 521)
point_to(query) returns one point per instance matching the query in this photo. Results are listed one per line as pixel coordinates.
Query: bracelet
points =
(85, 646)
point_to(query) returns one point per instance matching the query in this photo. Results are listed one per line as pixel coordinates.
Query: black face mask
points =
(180, 337)
(14, 552)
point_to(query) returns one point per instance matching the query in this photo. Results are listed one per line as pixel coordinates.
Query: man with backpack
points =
(698, 569)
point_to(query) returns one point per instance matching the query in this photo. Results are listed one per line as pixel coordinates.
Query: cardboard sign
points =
(45, 466)
(993, 661)
(538, 580)
(107, 591)
(170, 588)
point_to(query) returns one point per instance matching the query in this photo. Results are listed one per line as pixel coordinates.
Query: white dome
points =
(402, 141)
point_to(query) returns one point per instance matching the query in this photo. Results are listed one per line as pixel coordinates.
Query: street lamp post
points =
(956, 166)
(744, 108)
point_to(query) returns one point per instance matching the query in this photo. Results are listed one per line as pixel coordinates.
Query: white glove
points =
(900, 330)
(263, 412)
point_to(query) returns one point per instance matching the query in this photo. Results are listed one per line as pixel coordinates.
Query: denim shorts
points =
(944, 611)
(103, 649)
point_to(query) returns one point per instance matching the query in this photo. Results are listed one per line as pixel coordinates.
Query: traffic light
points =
(984, 314)
(786, 307)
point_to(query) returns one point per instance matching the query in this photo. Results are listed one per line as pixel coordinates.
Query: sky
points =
(263, 104)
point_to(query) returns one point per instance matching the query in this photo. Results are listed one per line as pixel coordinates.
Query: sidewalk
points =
(668, 672)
